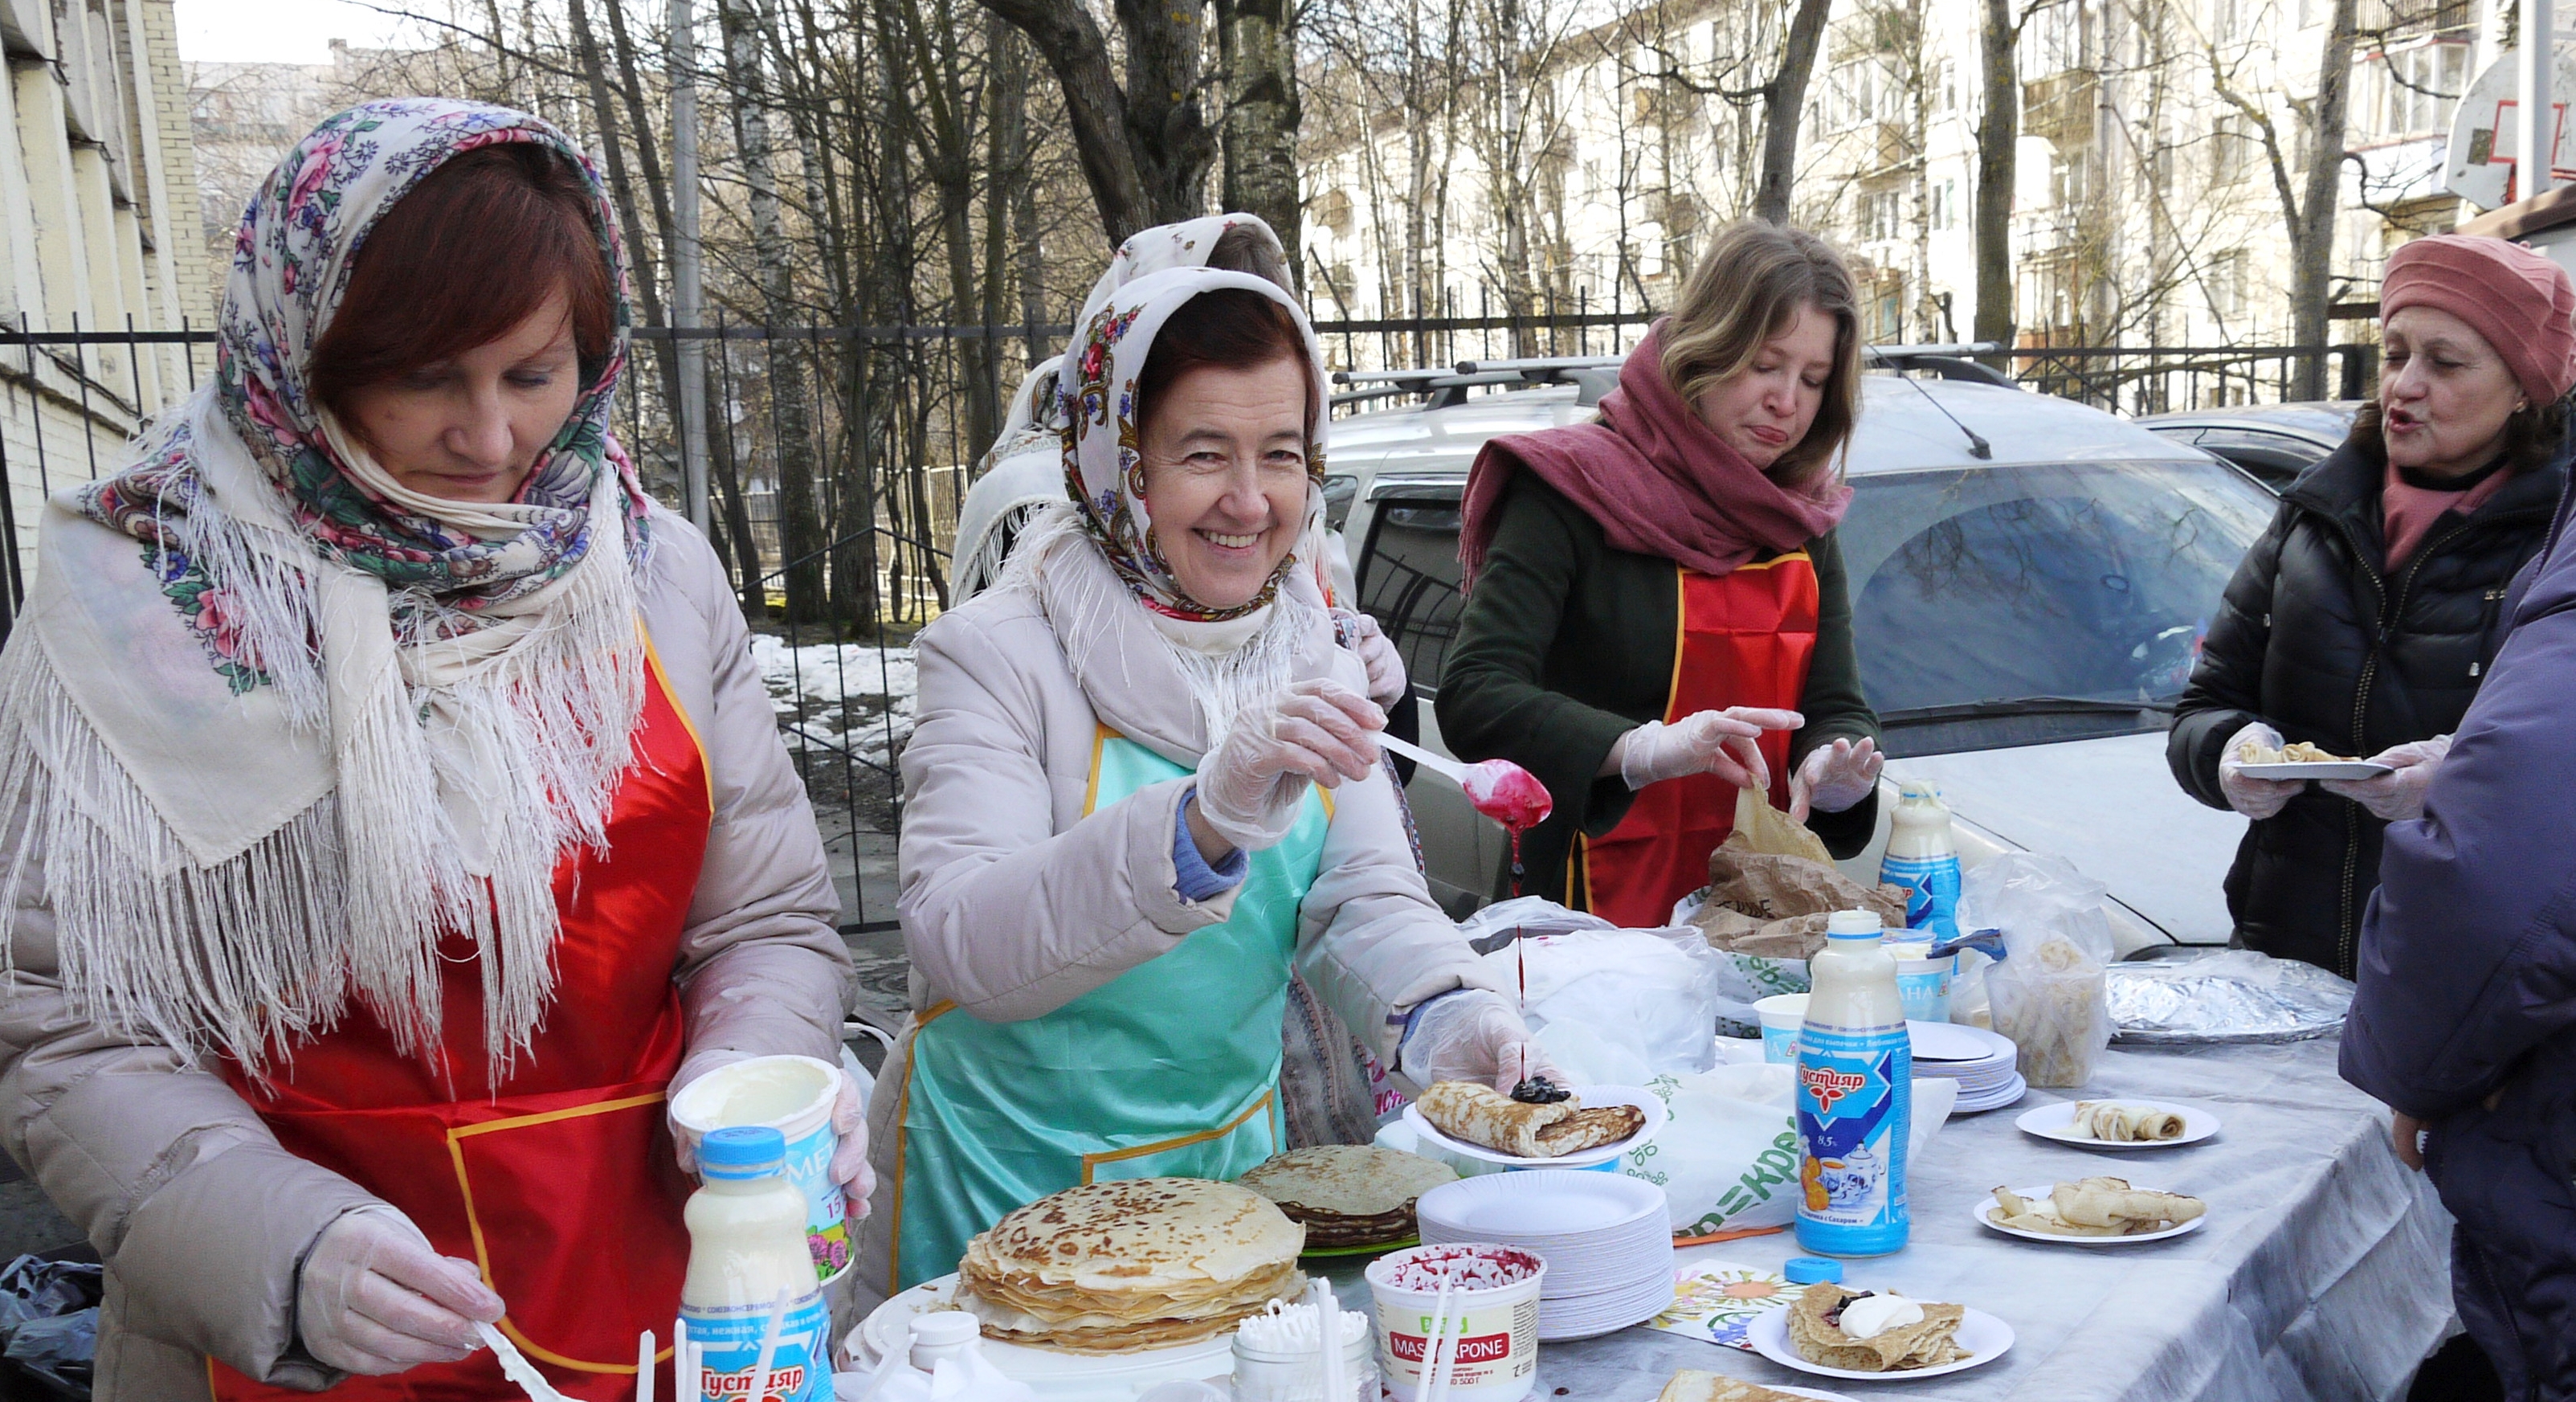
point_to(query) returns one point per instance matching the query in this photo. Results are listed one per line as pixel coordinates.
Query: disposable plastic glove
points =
(1473, 1035)
(2255, 798)
(1316, 732)
(1361, 634)
(1834, 777)
(849, 1121)
(374, 1298)
(1723, 743)
(2397, 796)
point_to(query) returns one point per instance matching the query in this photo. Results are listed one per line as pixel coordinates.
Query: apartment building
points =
(98, 232)
(2155, 139)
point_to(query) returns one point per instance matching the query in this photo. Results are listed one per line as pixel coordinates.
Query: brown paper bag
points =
(1772, 886)
(1768, 830)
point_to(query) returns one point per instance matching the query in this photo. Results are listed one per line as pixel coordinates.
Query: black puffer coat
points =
(2316, 639)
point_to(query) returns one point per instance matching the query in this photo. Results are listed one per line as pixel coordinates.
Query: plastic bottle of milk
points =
(1922, 859)
(1855, 1096)
(747, 1248)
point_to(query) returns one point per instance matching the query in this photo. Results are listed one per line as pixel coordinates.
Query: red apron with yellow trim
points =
(1746, 639)
(559, 1182)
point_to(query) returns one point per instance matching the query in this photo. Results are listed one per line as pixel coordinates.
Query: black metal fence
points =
(836, 459)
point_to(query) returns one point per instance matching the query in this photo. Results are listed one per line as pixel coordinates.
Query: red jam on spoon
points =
(1507, 793)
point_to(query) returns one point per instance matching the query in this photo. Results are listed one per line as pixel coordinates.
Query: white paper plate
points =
(2057, 1122)
(1986, 1209)
(2010, 1095)
(1057, 1377)
(1535, 1208)
(1589, 1095)
(1985, 1337)
(2317, 769)
(1954, 1042)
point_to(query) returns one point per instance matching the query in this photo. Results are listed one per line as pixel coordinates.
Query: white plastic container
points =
(1782, 1014)
(1276, 1358)
(793, 1095)
(746, 1254)
(1923, 858)
(1855, 1096)
(1498, 1339)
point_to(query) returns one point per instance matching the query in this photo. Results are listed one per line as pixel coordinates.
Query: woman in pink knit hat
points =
(2366, 617)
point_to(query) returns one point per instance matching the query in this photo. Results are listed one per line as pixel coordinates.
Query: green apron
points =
(1170, 1069)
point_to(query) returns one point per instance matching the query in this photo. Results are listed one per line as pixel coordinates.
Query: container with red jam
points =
(1493, 1306)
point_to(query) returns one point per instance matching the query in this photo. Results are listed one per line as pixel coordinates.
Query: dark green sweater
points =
(1567, 644)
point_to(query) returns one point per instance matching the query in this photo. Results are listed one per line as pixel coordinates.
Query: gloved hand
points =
(1472, 1035)
(1722, 743)
(1316, 732)
(2255, 798)
(849, 1121)
(374, 1298)
(850, 1161)
(2397, 796)
(1834, 777)
(1361, 634)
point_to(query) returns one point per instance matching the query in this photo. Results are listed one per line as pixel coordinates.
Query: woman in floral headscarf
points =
(394, 816)
(1117, 839)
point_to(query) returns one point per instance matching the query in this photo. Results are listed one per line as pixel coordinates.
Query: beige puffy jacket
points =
(1014, 903)
(200, 1216)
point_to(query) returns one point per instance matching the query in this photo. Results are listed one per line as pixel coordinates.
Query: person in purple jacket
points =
(2465, 1019)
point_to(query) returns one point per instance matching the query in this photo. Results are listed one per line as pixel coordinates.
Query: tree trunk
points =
(1165, 122)
(639, 252)
(1011, 119)
(2313, 223)
(1258, 42)
(799, 523)
(1094, 107)
(1784, 101)
(1998, 140)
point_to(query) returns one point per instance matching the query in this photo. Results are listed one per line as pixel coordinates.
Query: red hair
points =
(473, 250)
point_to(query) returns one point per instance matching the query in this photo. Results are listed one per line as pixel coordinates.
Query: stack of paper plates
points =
(1606, 1237)
(1979, 1060)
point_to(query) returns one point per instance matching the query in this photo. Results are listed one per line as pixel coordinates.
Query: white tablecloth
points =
(2323, 1272)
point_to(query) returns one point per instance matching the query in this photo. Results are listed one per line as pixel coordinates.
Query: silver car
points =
(2031, 580)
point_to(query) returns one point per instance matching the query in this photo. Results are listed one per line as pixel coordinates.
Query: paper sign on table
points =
(1718, 1302)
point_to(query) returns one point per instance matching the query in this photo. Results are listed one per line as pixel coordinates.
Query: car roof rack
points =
(1596, 375)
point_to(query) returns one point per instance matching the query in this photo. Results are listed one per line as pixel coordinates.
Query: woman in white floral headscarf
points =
(393, 813)
(1144, 788)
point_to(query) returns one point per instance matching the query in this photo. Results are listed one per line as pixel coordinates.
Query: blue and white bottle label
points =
(1931, 891)
(801, 1370)
(1855, 1101)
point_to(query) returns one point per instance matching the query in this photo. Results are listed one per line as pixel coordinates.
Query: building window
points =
(1882, 215)
(1945, 86)
(2229, 145)
(2227, 284)
(2070, 177)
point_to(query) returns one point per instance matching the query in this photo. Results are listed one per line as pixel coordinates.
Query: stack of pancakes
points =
(1113, 1267)
(1348, 1195)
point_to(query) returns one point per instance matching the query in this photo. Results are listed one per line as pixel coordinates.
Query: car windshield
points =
(2016, 604)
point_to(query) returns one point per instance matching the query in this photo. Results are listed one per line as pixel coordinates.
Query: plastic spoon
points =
(1328, 1329)
(644, 1367)
(1497, 788)
(516, 1368)
(769, 1345)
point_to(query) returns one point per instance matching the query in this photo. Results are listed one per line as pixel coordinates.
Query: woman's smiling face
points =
(1224, 455)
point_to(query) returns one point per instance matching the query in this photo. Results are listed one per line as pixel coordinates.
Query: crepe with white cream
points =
(1923, 1335)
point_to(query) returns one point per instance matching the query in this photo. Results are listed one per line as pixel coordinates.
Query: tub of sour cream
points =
(1495, 1304)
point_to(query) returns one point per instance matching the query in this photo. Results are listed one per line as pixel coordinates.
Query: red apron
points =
(1746, 638)
(559, 1182)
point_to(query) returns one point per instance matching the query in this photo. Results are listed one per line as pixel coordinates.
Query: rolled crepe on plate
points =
(1479, 1114)
(2126, 1124)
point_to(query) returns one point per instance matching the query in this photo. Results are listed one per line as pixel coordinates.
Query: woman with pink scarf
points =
(1657, 613)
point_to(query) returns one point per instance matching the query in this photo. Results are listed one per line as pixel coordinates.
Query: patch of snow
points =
(854, 697)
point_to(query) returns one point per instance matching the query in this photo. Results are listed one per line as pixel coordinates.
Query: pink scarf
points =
(1658, 480)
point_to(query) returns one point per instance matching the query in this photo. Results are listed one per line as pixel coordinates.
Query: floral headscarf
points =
(292, 261)
(1103, 462)
(317, 724)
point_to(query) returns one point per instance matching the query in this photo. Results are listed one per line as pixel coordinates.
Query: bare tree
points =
(1145, 145)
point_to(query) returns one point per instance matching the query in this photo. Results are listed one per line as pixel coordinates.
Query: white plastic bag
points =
(1743, 979)
(2048, 994)
(1611, 1006)
(1727, 1157)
